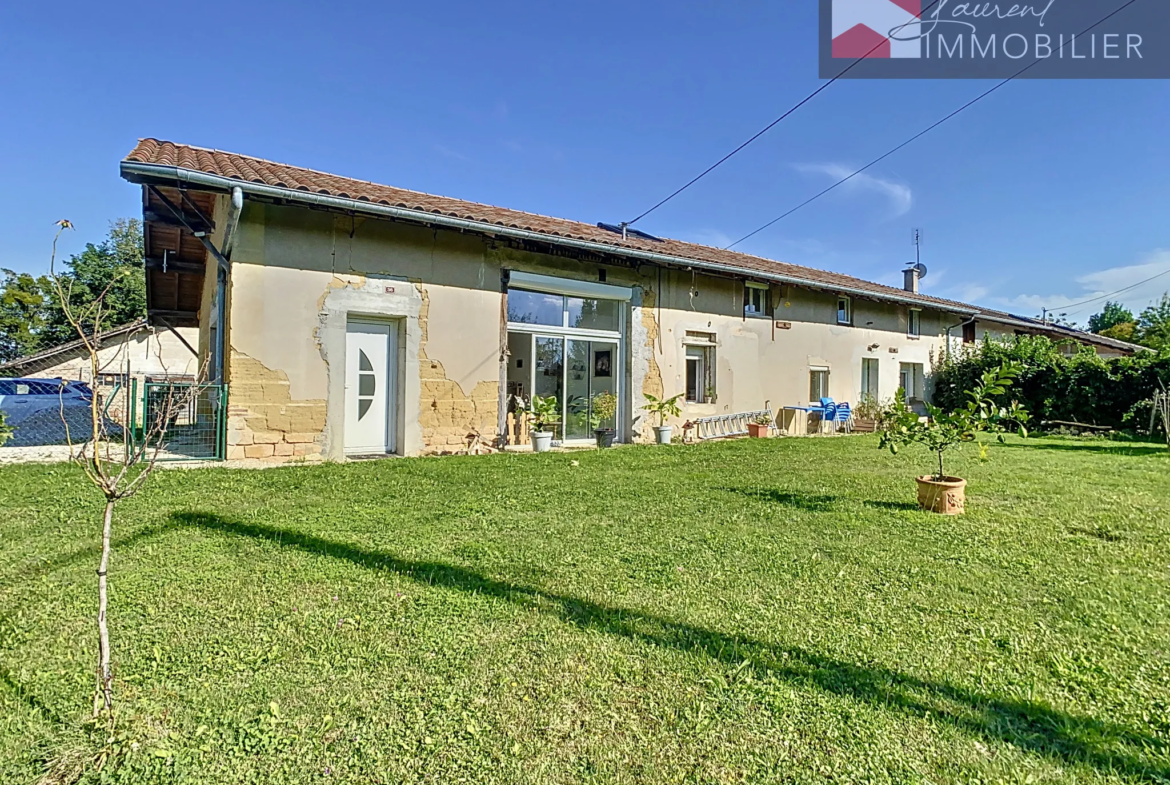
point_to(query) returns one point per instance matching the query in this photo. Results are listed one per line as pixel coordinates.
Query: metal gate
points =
(191, 417)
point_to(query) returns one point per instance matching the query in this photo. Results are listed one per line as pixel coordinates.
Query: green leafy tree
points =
(1153, 327)
(31, 313)
(948, 430)
(22, 314)
(111, 271)
(1056, 383)
(1111, 316)
(1125, 331)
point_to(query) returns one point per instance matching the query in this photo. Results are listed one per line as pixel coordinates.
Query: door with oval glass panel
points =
(371, 375)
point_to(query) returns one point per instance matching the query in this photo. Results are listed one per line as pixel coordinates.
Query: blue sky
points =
(1046, 193)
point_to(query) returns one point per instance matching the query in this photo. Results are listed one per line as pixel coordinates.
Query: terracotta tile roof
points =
(294, 178)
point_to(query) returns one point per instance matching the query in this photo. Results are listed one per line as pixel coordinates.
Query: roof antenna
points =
(918, 265)
(625, 229)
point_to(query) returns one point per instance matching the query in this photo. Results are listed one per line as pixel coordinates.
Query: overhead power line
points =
(1065, 308)
(923, 132)
(771, 125)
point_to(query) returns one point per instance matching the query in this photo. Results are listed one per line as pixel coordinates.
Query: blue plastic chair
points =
(844, 414)
(822, 407)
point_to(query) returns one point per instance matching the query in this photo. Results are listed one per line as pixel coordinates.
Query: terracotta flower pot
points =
(946, 496)
(757, 431)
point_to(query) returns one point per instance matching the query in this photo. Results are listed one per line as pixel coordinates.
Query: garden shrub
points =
(1052, 385)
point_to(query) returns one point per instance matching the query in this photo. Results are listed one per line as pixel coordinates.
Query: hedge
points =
(1080, 387)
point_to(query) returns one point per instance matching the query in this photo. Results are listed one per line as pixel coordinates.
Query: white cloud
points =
(900, 197)
(968, 292)
(1154, 265)
(711, 237)
(448, 152)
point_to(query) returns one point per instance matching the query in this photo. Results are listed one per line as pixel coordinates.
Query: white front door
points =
(371, 370)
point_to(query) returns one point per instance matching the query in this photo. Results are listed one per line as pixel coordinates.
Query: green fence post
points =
(223, 421)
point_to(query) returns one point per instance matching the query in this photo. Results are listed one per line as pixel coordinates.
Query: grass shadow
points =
(1100, 743)
(1095, 446)
(10, 683)
(801, 501)
(41, 566)
(810, 502)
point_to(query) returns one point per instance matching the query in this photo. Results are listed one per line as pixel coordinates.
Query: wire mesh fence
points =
(190, 417)
(51, 402)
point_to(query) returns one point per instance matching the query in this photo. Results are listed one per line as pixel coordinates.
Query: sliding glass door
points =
(588, 374)
(568, 346)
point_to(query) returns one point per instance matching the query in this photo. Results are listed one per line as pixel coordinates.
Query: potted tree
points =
(760, 427)
(602, 411)
(663, 407)
(544, 412)
(943, 431)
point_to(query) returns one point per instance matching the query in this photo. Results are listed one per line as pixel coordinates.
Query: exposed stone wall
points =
(447, 413)
(264, 422)
(652, 381)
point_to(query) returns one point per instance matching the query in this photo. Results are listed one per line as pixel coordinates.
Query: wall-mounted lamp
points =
(873, 346)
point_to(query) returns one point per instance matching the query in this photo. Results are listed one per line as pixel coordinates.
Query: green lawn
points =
(755, 611)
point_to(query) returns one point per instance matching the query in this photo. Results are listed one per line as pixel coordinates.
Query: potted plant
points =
(544, 412)
(760, 427)
(663, 407)
(603, 410)
(870, 413)
(943, 431)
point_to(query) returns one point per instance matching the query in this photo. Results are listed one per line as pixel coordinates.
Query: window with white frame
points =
(700, 366)
(818, 384)
(844, 310)
(914, 323)
(757, 300)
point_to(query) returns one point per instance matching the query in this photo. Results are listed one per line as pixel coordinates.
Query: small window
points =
(700, 374)
(844, 310)
(818, 384)
(757, 300)
(113, 380)
(969, 332)
(914, 323)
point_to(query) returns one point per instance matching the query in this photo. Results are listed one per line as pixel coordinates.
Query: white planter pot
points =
(541, 441)
(662, 433)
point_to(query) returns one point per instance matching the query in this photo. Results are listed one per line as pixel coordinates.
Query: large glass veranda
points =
(567, 344)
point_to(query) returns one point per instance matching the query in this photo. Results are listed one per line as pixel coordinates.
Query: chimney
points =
(910, 279)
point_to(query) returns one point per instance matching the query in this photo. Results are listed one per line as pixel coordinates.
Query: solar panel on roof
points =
(629, 232)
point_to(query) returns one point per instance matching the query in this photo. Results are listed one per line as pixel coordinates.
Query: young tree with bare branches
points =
(118, 472)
